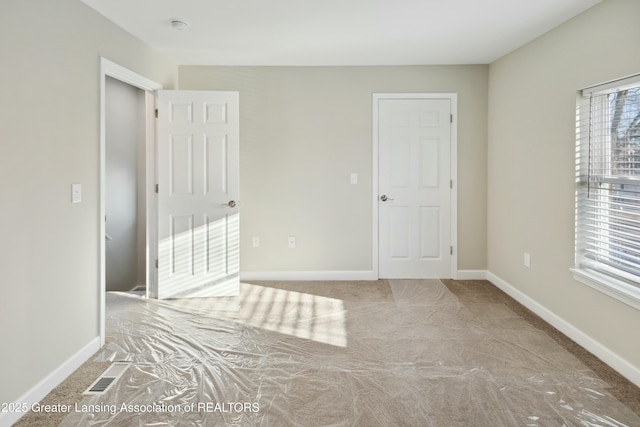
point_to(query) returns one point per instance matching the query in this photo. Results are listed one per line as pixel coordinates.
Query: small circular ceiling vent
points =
(179, 25)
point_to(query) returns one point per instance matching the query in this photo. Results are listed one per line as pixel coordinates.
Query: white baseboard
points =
(339, 275)
(51, 381)
(626, 369)
(308, 275)
(472, 275)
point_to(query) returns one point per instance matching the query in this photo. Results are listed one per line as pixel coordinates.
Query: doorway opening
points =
(133, 193)
(125, 168)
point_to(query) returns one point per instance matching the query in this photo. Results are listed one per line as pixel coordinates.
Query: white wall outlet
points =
(527, 260)
(292, 242)
(76, 193)
(354, 178)
(255, 241)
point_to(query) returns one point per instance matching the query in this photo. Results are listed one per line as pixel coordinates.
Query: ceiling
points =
(338, 32)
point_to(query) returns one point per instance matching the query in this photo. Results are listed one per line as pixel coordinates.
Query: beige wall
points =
(49, 139)
(531, 159)
(304, 130)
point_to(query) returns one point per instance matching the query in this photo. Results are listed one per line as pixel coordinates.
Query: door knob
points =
(384, 198)
(232, 203)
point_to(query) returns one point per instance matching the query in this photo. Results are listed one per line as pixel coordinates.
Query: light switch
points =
(354, 178)
(255, 241)
(76, 193)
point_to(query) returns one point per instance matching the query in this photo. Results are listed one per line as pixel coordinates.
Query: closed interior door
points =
(198, 177)
(414, 215)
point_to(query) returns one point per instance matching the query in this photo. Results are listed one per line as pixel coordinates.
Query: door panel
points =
(414, 148)
(400, 239)
(399, 163)
(198, 174)
(181, 237)
(216, 167)
(429, 232)
(181, 165)
(429, 164)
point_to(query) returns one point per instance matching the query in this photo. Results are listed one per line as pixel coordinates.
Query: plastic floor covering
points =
(411, 355)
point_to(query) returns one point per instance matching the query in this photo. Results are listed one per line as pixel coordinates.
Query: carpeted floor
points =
(427, 352)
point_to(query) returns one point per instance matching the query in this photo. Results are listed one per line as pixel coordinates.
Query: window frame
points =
(611, 281)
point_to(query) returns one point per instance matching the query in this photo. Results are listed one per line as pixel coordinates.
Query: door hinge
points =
(156, 113)
(451, 183)
(450, 117)
(157, 188)
(450, 251)
(156, 263)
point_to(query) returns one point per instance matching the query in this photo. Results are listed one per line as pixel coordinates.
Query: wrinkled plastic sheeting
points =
(274, 356)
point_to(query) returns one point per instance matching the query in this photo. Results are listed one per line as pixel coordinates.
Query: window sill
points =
(608, 285)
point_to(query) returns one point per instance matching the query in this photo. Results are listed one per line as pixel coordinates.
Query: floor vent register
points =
(102, 384)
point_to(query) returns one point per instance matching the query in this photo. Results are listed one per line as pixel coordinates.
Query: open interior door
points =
(198, 191)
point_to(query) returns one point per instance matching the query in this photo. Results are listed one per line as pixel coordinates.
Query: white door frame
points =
(453, 97)
(118, 72)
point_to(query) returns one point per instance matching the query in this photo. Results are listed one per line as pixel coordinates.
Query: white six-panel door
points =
(198, 191)
(414, 200)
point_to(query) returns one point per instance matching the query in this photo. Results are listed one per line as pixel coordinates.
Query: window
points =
(608, 189)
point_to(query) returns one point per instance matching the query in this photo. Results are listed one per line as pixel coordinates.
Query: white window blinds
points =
(608, 177)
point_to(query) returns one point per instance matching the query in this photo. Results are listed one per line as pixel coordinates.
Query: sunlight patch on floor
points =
(293, 313)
